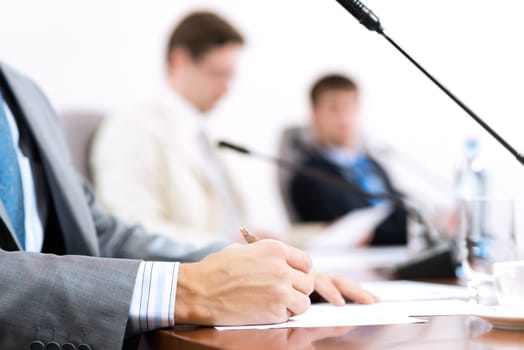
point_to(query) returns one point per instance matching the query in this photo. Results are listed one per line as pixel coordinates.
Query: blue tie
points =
(364, 173)
(11, 191)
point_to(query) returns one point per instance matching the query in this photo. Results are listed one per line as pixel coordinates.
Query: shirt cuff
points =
(153, 302)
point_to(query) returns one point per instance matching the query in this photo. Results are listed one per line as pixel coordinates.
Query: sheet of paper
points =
(325, 315)
(412, 291)
(350, 229)
(401, 302)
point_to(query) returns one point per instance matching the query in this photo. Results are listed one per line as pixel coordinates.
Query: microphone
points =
(367, 18)
(239, 149)
(364, 15)
(436, 262)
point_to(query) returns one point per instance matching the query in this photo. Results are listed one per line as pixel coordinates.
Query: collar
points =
(183, 110)
(342, 156)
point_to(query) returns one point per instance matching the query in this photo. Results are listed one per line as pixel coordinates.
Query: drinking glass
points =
(486, 236)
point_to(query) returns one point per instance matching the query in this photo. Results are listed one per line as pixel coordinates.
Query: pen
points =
(250, 238)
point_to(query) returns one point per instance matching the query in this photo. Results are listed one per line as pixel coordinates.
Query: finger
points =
(298, 259)
(325, 287)
(354, 291)
(298, 302)
(302, 282)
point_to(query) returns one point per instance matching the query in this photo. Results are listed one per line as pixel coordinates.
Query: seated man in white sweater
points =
(156, 165)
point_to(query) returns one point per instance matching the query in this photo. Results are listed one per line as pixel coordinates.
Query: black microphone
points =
(239, 149)
(436, 262)
(371, 21)
(364, 15)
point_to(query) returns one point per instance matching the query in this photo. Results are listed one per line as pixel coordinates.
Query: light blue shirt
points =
(154, 295)
(359, 169)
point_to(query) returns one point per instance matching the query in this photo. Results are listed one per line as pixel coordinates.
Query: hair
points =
(200, 32)
(331, 82)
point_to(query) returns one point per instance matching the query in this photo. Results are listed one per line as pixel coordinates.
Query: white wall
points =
(107, 54)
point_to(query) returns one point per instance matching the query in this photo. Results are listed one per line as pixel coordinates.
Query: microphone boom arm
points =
(367, 18)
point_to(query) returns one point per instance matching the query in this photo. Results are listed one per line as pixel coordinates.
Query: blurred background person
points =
(333, 145)
(158, 165)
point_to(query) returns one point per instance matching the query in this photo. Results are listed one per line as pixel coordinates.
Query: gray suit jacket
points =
(82, 297)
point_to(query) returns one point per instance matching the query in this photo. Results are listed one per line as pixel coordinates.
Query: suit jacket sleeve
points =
(64, 299)
(80, 299)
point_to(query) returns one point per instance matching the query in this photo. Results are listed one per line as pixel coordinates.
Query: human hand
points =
(259, 283)
(336, 289)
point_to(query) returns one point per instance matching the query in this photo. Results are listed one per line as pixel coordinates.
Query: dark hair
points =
(199, 32)
(331, 82)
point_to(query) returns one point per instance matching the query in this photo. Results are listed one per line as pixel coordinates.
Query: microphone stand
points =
(433, 259)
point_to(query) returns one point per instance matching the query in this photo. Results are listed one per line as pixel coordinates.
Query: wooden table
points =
(439, 333)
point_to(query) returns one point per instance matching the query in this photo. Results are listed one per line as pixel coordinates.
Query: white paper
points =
(401, 302)
(350, 229)
(325, 315)
(384, 313)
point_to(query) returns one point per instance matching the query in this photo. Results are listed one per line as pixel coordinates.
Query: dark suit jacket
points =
(317, 201)
(81, 293)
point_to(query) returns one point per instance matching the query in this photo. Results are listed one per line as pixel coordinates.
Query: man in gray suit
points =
(70, 274)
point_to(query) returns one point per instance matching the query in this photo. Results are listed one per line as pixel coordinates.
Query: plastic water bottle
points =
(470, 183)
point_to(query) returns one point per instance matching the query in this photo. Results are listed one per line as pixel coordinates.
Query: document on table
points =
(325, 315)
(384, 313)
(402, 302)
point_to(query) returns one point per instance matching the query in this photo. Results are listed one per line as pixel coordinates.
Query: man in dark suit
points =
(337, 150)
(71, 275)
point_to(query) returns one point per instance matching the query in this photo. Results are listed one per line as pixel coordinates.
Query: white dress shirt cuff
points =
(153, 302)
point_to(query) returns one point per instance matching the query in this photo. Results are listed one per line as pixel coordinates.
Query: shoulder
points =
(146, 119)
(316, 160)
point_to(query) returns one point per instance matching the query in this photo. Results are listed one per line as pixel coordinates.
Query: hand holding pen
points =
(333, 289)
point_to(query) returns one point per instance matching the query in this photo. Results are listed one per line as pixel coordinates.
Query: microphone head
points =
(231, 146)
(364, 15)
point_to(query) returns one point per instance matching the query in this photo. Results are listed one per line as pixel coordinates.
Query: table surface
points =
(442, 333)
